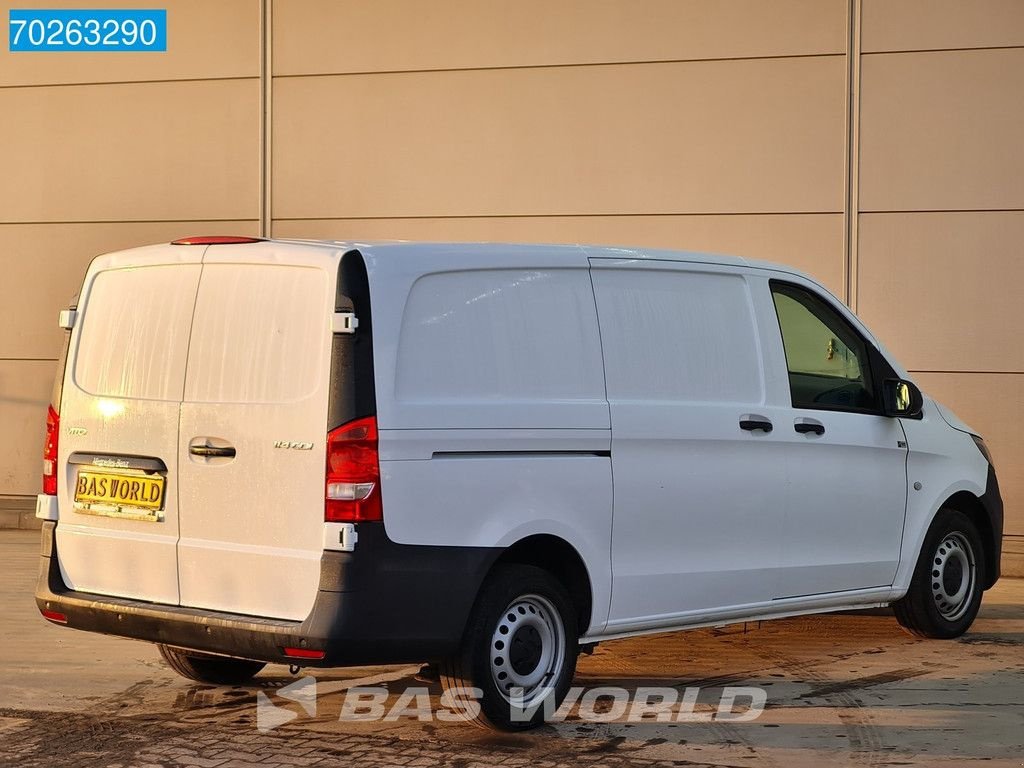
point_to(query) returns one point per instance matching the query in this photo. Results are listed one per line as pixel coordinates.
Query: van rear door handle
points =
(753, 423)
(803, 427)
(209, 450)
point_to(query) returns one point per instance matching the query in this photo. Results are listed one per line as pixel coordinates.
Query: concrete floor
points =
(842, 690)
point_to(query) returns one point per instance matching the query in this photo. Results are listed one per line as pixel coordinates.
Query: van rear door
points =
(118, 445)
(253, 426)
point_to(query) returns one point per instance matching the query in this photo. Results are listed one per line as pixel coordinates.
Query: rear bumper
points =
(385, 603)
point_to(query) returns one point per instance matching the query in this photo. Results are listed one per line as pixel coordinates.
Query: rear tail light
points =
(215, 240)
(303, 653)
(54, 616)
(50, 452)
(353, 473)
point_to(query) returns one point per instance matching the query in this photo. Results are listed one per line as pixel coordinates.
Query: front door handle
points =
(209, 451)
(754, 423)
(809, 427)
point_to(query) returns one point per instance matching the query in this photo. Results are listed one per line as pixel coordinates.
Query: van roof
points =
(422, 251)
(387, 255)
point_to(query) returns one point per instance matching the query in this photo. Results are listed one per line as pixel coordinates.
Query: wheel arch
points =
(561, 559)
(972, 507)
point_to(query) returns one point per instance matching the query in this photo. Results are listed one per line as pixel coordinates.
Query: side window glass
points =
(827, 359)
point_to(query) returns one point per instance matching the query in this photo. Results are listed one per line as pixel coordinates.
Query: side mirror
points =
(902, 398)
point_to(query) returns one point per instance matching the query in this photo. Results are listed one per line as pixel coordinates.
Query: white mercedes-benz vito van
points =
(487, 457)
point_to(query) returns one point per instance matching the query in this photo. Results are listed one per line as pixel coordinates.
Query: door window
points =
(827, 359)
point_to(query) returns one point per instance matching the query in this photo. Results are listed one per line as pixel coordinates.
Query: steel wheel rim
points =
(953, 576)
(527, 650)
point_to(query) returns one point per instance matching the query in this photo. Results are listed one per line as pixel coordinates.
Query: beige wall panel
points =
(944, 290)
(25, 388)
(812, 243)
(751, 136)
(204, 39)
(326, 36)
(153, 151)
(991, 404)
(914, 25)
(42, 266)
(942, 131)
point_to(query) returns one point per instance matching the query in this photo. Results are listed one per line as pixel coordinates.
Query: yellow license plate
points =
(108, 489)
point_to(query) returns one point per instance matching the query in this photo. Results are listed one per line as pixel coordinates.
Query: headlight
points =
(978, 441)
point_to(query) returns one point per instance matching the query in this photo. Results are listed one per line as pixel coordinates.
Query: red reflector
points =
(303, 653)
(216, 240)
(59, 618)
(352, 492)
(50, 452)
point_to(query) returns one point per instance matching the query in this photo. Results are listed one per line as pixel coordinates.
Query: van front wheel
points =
(216, 670)
(945, 592)
(518, 654)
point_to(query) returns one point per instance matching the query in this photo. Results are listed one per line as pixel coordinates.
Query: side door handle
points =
(753, 423)
(809, 426)
(210, 450)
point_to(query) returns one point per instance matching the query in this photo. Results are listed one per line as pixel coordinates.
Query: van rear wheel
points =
(518, 655)
(946, 589)
(203, 668)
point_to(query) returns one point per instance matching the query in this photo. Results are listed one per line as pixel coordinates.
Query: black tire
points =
(216, 670)
(527, 604)
(951, 558)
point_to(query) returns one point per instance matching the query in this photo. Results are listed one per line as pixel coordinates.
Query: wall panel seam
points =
(265, 143)
(944, 50)
(974, 373)
(15, 223)
(899, 211)
(851, 193)
(567, 65)
(158, 81)
(439, 216)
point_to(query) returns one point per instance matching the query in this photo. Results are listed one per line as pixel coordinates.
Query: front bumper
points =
(386, 603)
(992, 501)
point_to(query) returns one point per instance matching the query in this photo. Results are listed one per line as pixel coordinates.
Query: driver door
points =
(846, 461)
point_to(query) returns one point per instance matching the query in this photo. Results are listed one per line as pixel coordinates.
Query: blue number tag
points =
(87, 30)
